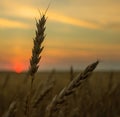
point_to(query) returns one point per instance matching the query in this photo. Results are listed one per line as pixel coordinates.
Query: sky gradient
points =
(78, 33)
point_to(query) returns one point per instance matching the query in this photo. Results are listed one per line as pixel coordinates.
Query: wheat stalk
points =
(71, 73)
(6, 80)
(59, 99)
(11, 110)
(47, 87)
(35, 58)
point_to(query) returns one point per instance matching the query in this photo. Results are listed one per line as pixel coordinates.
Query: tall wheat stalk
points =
(35, 58)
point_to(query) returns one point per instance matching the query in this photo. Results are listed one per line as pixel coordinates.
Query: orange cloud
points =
(73, 21)
(6, 23)
(25, 11)
(20, 9)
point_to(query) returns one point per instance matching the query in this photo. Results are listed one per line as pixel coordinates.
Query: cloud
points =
(31, 12)
(99, 10)
(19, 9)
(73, 21)
(112, 26)
(7, 23)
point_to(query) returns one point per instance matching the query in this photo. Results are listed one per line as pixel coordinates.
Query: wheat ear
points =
(37, 49)
(59, 99)
(35, 58)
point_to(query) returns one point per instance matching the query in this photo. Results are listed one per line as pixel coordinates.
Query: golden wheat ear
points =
(59, 99)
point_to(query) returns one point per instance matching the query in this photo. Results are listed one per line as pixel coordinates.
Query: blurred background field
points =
(98, 96)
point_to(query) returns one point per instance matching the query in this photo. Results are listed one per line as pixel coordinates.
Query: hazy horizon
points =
(77, 33)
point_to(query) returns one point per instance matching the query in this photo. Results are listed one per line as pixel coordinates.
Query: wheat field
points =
(83, 93)
(98, 96)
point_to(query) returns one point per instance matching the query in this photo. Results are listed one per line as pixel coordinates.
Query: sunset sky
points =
(78, 33)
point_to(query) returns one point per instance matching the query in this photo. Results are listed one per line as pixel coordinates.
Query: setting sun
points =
(18, 68)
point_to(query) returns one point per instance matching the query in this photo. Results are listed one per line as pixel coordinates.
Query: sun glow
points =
(18, 68)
